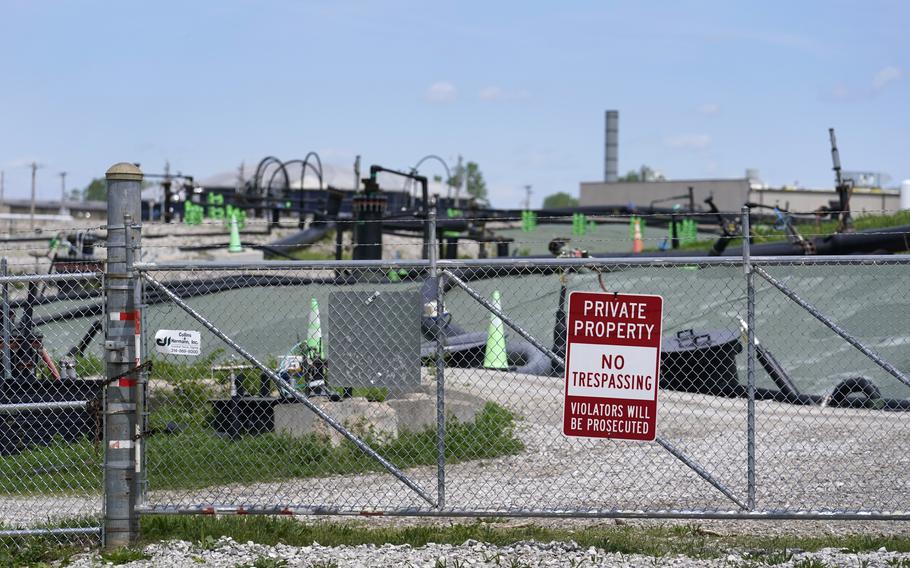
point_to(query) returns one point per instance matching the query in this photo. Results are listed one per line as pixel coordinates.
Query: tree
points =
(96, 190)
(631, 176)
(644, 173)
(477, 187)
(559, 200)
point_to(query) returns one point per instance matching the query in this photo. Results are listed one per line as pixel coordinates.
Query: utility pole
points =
(462, 180)
(240, 176)
(166, 186)
(63, 193)
(2, 187)
(528, 193)
(357, 172)
(31, 220)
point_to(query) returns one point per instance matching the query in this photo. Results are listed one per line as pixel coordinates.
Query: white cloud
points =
(441, 92)
(495, 93)
(709, 109)
(885, 76)
(688, 141)
(853, 92)
(491, 93)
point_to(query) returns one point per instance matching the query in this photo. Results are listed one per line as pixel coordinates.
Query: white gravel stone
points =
(228, 553)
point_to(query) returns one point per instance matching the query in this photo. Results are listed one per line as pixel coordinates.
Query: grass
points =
(657, 541)
(42, 550)
(372, 394)
(323, 249)
(194, 457)
(809, 230)
(123, 556)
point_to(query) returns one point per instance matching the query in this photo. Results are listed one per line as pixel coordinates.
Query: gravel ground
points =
(807, 458)
(228, 553)
(162, 242)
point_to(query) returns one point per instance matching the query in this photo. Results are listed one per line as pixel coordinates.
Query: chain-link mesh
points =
(222, 431)
(317, 387)
(841, 444)
(358, 342)
(51, 399)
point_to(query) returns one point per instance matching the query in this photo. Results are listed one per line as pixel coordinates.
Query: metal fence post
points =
(750, 359)
(121, 345)
(440, 362)
(7, 363)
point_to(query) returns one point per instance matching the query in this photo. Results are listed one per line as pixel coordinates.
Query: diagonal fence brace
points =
(389, 466)
(875, 357)
(673, 450)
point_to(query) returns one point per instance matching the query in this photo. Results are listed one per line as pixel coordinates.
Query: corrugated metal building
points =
(731, 194)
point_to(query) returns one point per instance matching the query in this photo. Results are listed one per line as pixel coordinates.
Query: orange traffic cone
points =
(637, 244)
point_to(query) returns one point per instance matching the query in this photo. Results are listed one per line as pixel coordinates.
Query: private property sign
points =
(612, 365)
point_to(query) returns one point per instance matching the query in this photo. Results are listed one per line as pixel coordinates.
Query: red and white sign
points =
(612, 365)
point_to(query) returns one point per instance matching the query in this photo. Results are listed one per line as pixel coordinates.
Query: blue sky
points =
(704, 89)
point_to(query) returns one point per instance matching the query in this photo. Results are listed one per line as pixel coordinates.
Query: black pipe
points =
(451, 252)
(424, 206)
(777, 373)
(78, 350)
(560, 332)
(166, 206)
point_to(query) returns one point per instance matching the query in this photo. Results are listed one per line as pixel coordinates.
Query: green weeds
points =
(191, 455)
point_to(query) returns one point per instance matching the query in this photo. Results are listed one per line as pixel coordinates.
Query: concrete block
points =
(379, 421)
(415, 412)
(376, 421)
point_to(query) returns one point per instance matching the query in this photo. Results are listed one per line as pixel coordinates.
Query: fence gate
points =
(251, 419)
(454, 429)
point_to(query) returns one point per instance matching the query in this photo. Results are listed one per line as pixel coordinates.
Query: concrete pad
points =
(247, 255)
(380, 421)
(376, 421)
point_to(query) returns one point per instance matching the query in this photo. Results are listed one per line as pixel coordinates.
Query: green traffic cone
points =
(234, 245)
(495, 356)
(314, 342)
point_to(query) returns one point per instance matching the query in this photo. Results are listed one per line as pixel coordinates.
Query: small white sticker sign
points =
(178, 342)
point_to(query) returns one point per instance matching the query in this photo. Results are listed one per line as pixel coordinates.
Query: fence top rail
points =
(277, 265)
(680, 261)
(516, 262)
(55, 277)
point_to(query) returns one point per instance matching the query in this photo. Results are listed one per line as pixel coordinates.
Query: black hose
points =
(78, 350)
(777, 373)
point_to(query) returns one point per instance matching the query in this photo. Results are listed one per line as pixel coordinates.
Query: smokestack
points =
(611, 153)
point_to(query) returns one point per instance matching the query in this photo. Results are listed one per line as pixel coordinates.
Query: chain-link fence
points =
(438, 387)
(51, 399)
(320, 387)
